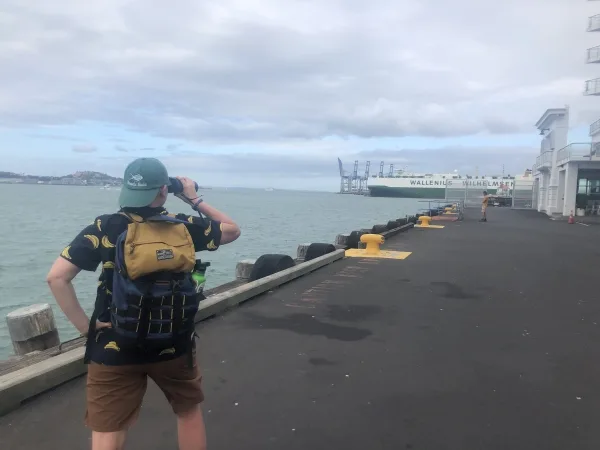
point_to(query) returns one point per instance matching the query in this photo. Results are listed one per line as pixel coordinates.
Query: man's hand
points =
(229, 230)
(99, 326)
(189, 187)
(189, 190)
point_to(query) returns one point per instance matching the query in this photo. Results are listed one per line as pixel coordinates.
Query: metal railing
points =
(594, 23)
(593, 54)
(469, 195)
(544, 160)
(523, 194)
(437, 207)
(595, 127)
(577, 151)
(592, 87)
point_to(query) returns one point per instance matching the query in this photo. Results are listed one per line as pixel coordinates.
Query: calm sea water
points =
(40, 220)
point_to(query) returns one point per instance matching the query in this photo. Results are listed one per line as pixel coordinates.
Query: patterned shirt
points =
(95, 245)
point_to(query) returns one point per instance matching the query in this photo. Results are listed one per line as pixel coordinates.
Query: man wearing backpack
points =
(142, 324)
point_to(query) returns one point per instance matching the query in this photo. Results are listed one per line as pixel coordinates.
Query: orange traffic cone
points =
(571, 218)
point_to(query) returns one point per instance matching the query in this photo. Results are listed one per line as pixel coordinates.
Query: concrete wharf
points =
(487, 336)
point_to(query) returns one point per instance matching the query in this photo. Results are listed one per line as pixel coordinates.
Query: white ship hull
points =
(433, 186)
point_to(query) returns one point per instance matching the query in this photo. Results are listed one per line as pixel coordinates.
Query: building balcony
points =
(594, 23)
(544, 161)
(593, 55)
(592, 87)
(596, 149)
(595, 128)
(581, 151)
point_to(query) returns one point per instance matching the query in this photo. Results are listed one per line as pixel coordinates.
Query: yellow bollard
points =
(373, 242)
(372, 250)
(424, 221)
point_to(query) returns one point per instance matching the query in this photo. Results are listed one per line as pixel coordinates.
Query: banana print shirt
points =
(95, 246)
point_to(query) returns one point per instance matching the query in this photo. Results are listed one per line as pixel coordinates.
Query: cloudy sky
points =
(270, 93)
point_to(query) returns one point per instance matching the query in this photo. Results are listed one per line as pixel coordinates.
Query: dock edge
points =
(27, 382)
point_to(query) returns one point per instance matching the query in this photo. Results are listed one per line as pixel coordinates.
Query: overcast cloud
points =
(278, 73)
(84, 148)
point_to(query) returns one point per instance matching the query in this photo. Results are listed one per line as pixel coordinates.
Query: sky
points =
(269, 93)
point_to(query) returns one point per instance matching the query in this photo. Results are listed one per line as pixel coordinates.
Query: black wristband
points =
(195, 205)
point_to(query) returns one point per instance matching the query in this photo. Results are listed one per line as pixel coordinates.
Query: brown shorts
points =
(115, 393)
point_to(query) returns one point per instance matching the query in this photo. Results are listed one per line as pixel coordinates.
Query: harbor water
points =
(39, 221)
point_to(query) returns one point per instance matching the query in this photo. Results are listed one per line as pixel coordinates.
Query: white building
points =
(592, 87)
(567, 176)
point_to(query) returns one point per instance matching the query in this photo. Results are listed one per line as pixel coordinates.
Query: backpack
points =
(154, 298)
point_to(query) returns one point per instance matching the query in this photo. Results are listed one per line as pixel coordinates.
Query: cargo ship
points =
(433, 185)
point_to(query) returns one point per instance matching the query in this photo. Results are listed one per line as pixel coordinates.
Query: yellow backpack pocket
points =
(158, 246)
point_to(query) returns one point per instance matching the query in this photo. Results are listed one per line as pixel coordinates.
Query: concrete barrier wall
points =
(28, 375)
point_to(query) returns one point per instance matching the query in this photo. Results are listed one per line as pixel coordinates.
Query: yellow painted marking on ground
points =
(387, 254)
(310, 300)
(429, 226)
(317, 295)
(291, 305)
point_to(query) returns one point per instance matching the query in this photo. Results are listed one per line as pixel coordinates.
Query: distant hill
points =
(85, 178)
(10, 175)
(95, 176)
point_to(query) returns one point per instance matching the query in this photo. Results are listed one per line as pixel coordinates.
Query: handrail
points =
(593, 54)
(592, 87)
(595, 127)
(544, 159)
(593, 22)
(574, 150)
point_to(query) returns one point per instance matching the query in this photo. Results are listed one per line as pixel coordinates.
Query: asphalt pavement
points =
(486, 337)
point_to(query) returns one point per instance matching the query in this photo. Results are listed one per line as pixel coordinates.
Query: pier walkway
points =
(486, 337)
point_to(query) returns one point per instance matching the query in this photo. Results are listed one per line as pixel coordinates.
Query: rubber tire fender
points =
(378, 229)
(354, 239)
(269, 264)
(318, 249)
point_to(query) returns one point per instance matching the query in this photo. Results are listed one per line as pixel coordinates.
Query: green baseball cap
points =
(142, 181)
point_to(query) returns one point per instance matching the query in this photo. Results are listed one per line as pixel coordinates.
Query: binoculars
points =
(176, 186)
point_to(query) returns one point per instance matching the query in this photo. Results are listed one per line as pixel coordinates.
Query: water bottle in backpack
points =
(199, 275)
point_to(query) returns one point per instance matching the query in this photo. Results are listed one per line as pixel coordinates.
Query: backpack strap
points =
(132, 216)
(155, 218)
(166, 218)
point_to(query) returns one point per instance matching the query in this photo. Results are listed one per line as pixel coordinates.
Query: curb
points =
(398, 230)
